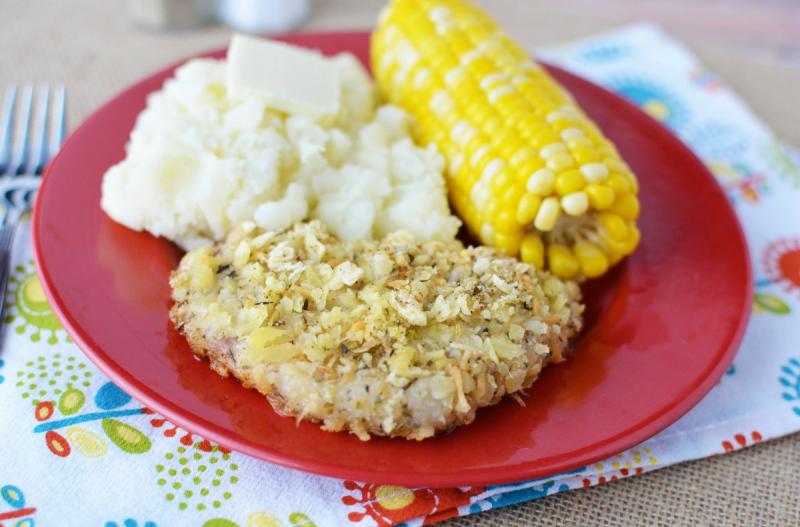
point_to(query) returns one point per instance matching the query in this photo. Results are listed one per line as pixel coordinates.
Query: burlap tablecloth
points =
(92, 47)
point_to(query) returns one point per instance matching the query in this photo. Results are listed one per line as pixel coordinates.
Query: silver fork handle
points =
(7, 233)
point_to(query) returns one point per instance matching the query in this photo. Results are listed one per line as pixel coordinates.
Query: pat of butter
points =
(291, 79)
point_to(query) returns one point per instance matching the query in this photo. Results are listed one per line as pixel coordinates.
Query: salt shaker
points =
(263, 16)
(171, 14)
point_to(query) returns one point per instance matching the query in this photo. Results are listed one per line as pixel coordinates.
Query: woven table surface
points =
(94, 49)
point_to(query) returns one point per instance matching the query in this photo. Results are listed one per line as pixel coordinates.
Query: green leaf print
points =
(771, 303)
(126, 437)
(71, 401)
(27, 305)
(298, 519)
(220, 522)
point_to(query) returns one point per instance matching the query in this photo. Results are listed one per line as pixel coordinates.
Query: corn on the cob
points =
(527, 170)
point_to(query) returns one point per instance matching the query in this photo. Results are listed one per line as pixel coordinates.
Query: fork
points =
(31, 132)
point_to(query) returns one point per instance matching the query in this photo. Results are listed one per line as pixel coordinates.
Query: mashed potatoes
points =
(200, 162)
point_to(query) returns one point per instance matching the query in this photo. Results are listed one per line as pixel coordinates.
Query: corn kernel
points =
(491, 208)
(616, 249)
(500, 93)
(487, 234)
(511, 105)
(474, 141)
(528, 207)
(500, 181)
(552, 150)
(510, 145)
(505, 223)
(493, 168)
(561, 261)
(560, 162)
(480, 194)
(511, 196)
(539, 135)
(480, 67)
(493, 126)
(571, 133)
(531, 250)
(476, 112)
(614, 256)
(483, 161)
(462, 132)
(569, 182)
(575, 204)
(614, 165)
(600, 196)
(508, 243)
(579, 142)
(627, 206)
(633, 182)
(613, 225)
(633, 239)
(594, 172)
(583, 154)
(544, 107)
(608, 150)
(548, 214)
(619, 183)
(524, 154)
(422, 79)
(493, 79)
(556, 116)
(541, 182)
(522, 82)
(520, 116)
(563, 123)
(442, 103)
(478, 155)
(593, 260)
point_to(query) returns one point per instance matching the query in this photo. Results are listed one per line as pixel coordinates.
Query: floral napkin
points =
(75, 450)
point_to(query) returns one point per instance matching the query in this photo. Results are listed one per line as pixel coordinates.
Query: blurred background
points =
(98, 48)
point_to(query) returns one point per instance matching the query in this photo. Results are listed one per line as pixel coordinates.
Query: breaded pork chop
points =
(391, 338)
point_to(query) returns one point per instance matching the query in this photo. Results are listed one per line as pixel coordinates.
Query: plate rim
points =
(484, 476)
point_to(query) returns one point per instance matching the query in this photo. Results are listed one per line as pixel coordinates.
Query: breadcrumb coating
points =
(393, 338)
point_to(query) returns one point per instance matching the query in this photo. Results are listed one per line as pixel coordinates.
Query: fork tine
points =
(22, 147)
(6, 128)
(59, 121)
(39, 155)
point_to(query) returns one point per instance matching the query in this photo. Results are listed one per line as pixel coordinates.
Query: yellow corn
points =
(532, 249)
(547, 216)
(527, 208)
(527, 170)
(600, 196)
(575, 204)
(562, 261)
(593, 259)
(569, 181)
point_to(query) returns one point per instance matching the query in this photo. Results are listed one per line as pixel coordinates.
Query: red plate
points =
(661, 329)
